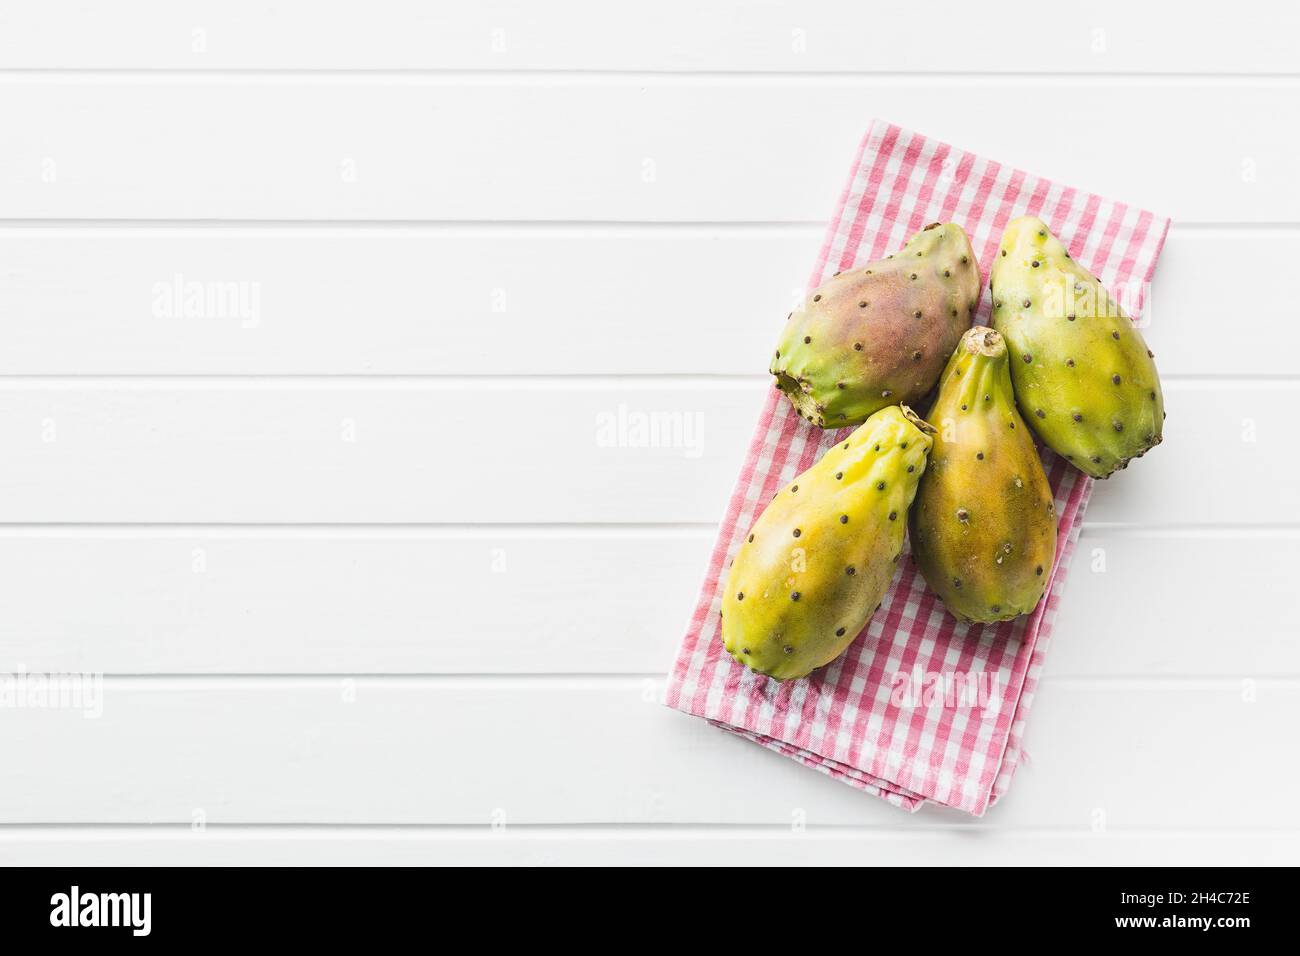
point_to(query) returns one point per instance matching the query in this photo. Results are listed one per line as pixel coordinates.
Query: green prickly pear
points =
(1084, 377)
(983, 526)
(879, 334)
(819, 559)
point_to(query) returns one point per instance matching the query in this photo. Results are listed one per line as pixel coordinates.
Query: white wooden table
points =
(310, 321)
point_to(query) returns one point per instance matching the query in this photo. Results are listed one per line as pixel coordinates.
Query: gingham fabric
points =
(848, 719)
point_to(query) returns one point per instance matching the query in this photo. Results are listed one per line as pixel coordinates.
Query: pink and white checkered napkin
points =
(845, 719)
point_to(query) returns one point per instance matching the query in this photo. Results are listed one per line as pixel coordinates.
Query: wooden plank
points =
(470, 451)
(505, 451)
(1121, 755)
(422, 601)
(507, 301)
(1221, 439)
(612, 846)
(488, 149)
(558, 601)
(1211, 603)
(671, 35)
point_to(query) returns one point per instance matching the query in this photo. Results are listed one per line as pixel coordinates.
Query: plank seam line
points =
(673, 529)
(60, 225)
(557, 381)
(629, 679)
(893, 831)
(667, 78)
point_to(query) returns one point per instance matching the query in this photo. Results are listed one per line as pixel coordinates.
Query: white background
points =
(364, 583)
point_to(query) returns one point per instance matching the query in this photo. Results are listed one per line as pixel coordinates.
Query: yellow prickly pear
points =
(819, 559)
(878, 335)
(1084, 378)
(983, 527)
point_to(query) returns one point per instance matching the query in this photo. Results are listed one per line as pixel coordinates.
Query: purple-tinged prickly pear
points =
(983, 526)
(819, 559)
(879, 334)
(1084, 378)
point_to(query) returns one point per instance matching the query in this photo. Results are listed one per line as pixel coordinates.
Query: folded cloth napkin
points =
(888, 716)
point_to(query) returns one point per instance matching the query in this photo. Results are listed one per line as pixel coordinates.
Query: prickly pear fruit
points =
(879, 334)
(1084, 378)
(819, 559)
(983, 527)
